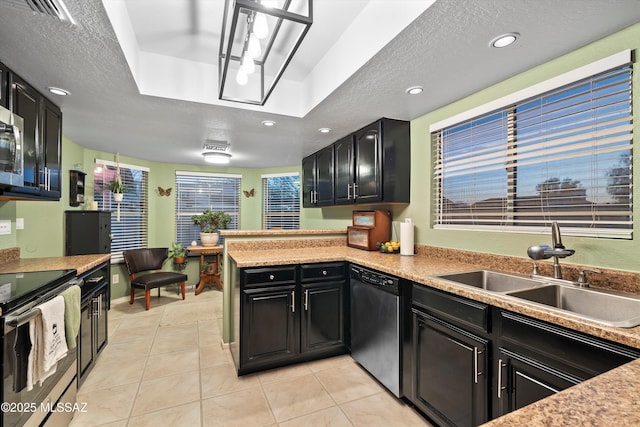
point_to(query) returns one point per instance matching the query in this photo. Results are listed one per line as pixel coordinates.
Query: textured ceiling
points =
(444, 49)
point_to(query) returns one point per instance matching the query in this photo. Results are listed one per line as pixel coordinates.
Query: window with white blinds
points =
(563, 155)
(130, 231)
(281, 201)
(198, 191)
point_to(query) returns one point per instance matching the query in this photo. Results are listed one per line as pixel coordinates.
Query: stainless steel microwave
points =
(11, 159)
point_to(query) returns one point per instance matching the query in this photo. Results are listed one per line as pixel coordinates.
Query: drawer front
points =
(451, 307)
(590, 354)
(262, 276)
(322, 272)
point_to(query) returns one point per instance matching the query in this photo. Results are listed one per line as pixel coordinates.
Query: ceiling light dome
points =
(504, 40)
(216, 152)
(414, 90)
(58, 91)
(217, 158)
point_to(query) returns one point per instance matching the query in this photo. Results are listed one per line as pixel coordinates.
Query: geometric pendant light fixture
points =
(259, 39)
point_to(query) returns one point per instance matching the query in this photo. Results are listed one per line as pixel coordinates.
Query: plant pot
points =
(209, 239)
(179, 260)
(118, 197)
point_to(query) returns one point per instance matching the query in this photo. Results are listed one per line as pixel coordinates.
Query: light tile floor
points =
(166, 367)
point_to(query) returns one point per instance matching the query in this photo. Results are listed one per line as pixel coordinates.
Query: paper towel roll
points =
(406, 237)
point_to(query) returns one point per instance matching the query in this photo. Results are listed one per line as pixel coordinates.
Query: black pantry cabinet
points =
(290, 314)
(87, 232)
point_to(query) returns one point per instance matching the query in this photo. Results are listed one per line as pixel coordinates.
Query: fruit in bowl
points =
(388, 247)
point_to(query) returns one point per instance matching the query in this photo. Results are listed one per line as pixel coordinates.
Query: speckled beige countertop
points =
(606, 400)
(81, 263)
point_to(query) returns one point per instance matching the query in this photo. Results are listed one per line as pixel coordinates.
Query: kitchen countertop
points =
(81, 263)
(608, 399)
(282, 233)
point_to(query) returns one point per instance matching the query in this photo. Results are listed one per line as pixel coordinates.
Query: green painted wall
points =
(611, 253)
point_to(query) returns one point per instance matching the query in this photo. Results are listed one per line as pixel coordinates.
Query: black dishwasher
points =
(376, 325)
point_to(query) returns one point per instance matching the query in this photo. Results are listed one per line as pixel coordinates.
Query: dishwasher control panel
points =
(374, 278)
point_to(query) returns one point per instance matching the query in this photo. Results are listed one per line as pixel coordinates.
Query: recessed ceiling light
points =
(414, 90)
(324, 130)
(58, 91)
(268, 123)
(504, 40)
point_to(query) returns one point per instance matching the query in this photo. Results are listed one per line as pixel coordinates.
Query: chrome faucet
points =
(558, 250)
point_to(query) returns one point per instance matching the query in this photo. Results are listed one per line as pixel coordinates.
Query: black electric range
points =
(19, 289)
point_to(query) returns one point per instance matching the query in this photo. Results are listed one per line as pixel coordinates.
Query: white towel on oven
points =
(31, 361)
(48, 341)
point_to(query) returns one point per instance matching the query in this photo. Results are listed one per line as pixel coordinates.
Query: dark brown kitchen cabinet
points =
(344, 172)
(4, 86)
(374, 164)
(450, 358)
(42, 142)
(94, 309)
(471, 362)
(322, 323)
(269, 325)
(26, 104)
(317, 178)
(49, 158)
(535, 359)
(289, 314)
(521, 380)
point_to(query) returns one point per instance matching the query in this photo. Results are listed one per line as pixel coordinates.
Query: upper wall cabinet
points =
(4, 86)
(372, 165)
(42, 142)
(317, 178)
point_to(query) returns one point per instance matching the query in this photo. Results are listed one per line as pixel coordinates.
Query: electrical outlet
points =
(115, 279)
(5, 226)
(19, 223)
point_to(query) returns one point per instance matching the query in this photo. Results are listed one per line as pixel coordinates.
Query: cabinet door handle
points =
(293, 301)
(348, 191)
(271, 277)
(324, 272)
(475, 364)
(500, 387)
(306, 300)
(355, 187)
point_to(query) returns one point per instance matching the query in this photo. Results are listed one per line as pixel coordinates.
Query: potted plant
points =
(208, 268)
(178, 253)
(210, 222)
(118, 189)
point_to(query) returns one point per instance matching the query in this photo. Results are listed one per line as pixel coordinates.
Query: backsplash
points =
(286, 244)
(9, 254)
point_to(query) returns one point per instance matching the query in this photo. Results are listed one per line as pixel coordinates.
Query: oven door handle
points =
(21, 319)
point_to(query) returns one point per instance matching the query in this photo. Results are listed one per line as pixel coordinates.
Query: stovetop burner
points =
(17, 289)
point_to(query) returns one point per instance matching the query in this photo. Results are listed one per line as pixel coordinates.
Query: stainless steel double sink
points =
(602, 306)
